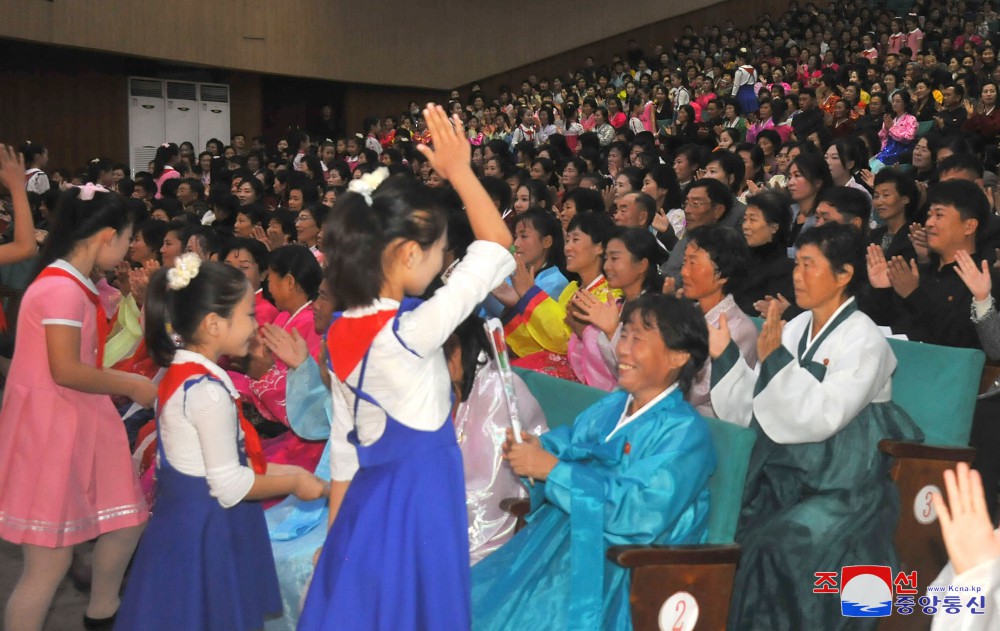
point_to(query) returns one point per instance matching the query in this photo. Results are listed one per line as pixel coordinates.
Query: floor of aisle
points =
(68, 605)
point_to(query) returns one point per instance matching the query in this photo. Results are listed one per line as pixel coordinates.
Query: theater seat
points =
(699, 574)
(937, 386)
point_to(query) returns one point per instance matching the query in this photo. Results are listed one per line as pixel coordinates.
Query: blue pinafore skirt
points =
(199, 565)
(397, 555)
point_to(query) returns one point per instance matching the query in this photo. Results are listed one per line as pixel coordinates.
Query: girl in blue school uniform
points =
(205, 560)
(397, 553)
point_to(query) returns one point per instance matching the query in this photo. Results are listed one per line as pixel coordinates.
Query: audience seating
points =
(705, 572)
(937, 386)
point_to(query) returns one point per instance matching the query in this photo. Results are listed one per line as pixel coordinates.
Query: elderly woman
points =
(818, 492)
(715, 261)
(632, 469)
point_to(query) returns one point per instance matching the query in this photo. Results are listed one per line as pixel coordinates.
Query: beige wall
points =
(435, 44)
(663, 33)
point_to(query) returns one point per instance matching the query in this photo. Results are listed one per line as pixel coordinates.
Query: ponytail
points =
(164, 154)
(356, 235)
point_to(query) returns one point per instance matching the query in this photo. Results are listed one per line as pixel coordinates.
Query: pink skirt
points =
(65, 469)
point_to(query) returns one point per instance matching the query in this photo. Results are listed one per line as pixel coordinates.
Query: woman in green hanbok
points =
(818, 494)
(633, 468)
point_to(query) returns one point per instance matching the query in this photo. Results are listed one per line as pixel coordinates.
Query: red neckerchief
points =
(103, 326)
(348, 340)
(177, 375)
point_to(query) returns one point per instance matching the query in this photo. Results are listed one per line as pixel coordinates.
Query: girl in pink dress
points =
(65, 472)
(167, 155)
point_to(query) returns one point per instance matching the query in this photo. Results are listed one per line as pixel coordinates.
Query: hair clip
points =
(174, 336)
(185, 269)
(367, 183)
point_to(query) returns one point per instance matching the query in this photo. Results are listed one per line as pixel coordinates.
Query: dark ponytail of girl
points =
(356, 235)
(165, 154)
(75, 220)
(217, 288)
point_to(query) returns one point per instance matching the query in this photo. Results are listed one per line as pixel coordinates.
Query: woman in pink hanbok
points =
(294, 277)
(631, 265)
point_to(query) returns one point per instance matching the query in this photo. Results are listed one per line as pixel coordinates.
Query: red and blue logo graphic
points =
(866, 591)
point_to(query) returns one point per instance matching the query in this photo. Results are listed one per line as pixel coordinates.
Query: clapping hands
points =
(977, 279)
(770, 334)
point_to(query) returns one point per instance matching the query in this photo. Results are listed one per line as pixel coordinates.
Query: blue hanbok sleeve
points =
(651, 488)
(307, 399)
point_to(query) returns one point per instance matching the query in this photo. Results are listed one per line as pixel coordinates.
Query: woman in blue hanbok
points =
(632, 469)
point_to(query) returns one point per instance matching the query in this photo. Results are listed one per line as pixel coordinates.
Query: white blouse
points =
(797, 408)
(199, 432)
(414, 387)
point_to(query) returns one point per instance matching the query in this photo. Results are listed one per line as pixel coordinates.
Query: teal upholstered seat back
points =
(562, 401)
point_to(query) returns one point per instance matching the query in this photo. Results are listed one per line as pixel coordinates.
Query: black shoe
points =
(99, 624)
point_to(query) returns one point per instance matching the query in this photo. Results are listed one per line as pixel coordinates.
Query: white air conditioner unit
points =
(173, 111)
(146, 122)
(182, 113)
(213, 111)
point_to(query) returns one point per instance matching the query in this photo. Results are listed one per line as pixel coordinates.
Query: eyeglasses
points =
(696, 203)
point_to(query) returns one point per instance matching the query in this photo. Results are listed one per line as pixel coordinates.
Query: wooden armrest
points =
(692, 554)
(991, 374)
(516, 506)
(905, 449)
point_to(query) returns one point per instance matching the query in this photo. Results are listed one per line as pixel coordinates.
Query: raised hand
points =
(574, 316)
(261, 235)
(603, 315)
(260, 358)
(868, 178)
(451, 147)
(918, 237)
(661, 223)
(770, 334)
(288, 346)
(609, 198)
(669, 286)
(904, 276)
(275, 237)
(138, 282)
(965, 521)
(878, 269)
(762, 306)
(11, 168)
(718, 338)
(523, 278)
(506, 294)
(753, 188)
(977, 279)
(121, 277)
